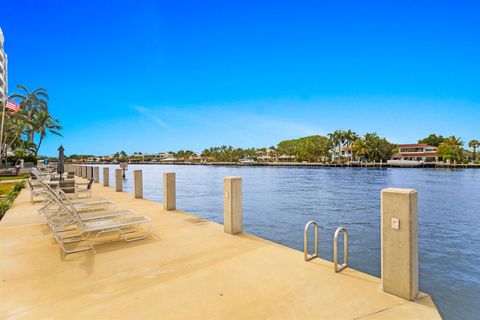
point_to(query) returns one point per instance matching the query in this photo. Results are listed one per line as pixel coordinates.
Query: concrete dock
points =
(189, 268)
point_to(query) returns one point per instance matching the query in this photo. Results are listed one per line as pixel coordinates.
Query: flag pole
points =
(3, 120)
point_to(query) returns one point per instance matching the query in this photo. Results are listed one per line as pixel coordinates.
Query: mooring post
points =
(138, 183)
(232, 205)
(106, 176)
(399, 224)
(89, 172)
(96, 174)
(118, 180)
(169, 192)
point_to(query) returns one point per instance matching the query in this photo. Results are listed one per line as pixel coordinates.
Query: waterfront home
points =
(267, 155)
(92, 159)
(343, 153)
(137, 157)
(286, 158)
(150, 157)
(416, 152)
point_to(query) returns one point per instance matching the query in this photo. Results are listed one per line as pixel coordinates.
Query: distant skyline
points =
(167, 75)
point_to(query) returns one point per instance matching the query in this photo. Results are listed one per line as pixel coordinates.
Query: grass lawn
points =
(21, 176)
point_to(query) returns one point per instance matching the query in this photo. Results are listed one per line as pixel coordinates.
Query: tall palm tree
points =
(15, 125)
(42, 122)
(474, 144)
(31, 102)
(336, 138)
(361, 149)
(350, 138)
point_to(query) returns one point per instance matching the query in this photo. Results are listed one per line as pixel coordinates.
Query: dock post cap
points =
(399, 190)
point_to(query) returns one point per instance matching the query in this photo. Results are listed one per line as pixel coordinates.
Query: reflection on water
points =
(278, 202)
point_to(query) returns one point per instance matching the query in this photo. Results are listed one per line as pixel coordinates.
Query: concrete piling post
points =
(232, 205)
(400, 242)
(89, 172)
(138, 183)
(84, 171)
(118, 180)
(96, 174)
(106, 177)
(169, 192)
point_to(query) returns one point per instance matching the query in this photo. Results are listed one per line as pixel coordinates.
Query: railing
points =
(308, 256)
(345, 249)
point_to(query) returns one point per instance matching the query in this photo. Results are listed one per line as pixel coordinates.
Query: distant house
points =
(137, 157)
(268, 155)
(286, 158)
(343, 152)
(416, 152)
(156, 157)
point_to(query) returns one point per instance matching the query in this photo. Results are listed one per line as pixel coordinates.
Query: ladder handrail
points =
(345, 249)
(306, 255)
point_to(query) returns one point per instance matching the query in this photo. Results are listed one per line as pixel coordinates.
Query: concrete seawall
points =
(189, 268)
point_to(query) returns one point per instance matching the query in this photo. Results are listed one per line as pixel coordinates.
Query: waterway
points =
(277, 202)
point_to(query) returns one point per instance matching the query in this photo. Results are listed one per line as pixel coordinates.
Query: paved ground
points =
(188, 269)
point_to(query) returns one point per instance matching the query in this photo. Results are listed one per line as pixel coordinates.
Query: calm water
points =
(279, 201)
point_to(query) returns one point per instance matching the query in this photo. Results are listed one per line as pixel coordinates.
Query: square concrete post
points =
(232, 205)
(399, 224)
(118, 180)
(96, 174)
(84, 171)
(169, 193)
(89, 172)
(138, 183)
(106, 177)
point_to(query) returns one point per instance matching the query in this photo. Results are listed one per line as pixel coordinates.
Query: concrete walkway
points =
(188, 269)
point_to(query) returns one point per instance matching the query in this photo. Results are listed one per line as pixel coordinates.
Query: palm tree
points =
(31, 102)
(361, 148)
(15, 126)
(336, 139)
(474, 144)
(42, 122)
(350, 138)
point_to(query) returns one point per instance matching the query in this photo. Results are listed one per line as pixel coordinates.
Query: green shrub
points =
(10, 197)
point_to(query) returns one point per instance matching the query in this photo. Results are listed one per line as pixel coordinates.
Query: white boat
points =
(246, 160)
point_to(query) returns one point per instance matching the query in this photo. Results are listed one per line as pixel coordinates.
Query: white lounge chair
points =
(84, 188)
(60, 220)
(90, 231)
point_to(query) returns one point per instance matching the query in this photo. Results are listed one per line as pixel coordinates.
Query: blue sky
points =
(166, 75)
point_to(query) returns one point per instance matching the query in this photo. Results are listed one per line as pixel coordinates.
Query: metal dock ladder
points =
(307, 256)
(345, 249)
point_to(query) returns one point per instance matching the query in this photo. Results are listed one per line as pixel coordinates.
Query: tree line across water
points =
(334, 147)
(344, 146)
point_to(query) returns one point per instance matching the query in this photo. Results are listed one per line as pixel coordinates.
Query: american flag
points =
(12, 105)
